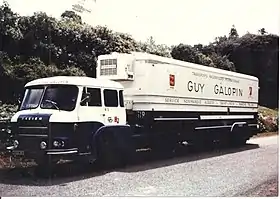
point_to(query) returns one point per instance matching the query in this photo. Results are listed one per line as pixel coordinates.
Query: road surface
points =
(220, 172)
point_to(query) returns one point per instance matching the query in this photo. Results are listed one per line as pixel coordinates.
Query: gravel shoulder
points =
(244, 171)
(268, 189)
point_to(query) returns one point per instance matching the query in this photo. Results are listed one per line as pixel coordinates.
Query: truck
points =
(137, 100)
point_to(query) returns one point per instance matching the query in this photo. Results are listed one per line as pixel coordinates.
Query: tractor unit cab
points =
(59, 115)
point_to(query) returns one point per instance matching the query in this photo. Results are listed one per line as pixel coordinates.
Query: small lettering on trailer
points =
(211, 102)
(172, 100)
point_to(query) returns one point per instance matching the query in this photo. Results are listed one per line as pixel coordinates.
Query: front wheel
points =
(109, 155)
(45, 168)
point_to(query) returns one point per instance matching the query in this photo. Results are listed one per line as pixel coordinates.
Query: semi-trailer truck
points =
(137, 100)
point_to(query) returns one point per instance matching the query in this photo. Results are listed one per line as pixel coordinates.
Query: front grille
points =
(33, 130)
(27, 123)
(36, 125)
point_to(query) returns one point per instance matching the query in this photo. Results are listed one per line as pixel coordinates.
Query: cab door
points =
(92, 110)
(114, 108)
(91, 116)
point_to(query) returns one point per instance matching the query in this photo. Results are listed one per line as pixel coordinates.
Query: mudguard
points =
(122, 135)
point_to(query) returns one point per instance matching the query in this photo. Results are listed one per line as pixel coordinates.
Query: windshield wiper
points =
(53, 103)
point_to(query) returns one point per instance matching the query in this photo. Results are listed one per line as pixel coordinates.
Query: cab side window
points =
(121, 98)
(111, 98)
(95, 97)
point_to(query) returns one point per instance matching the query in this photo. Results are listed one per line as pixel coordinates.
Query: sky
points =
(168, 22)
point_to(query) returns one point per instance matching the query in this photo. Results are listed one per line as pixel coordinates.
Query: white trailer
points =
(163, 84)
(182, 98)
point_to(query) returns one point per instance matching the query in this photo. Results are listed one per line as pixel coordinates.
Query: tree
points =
(262, 31)
(151, 47)
(192, 54)
(184, 52)
(17, 75)
(68, 14)
(255, 55)
(222, 62)
(233, 33)
(10, 33)
(39, 45)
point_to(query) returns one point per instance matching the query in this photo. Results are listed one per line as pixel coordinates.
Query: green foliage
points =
(262, 31)
(268, 119)
(10, 33)
(195, 55)
(17, 75)
(233, 33)
(7, 111)
(40, 46)
(184, 52)
(71, 15)
(251, 54)
(257, 55)
(222, 62)
(151, 47)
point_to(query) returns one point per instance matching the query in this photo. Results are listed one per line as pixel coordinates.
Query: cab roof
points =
(76, 80)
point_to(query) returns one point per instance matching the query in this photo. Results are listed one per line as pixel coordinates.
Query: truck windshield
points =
(32, 98)
(60, 97)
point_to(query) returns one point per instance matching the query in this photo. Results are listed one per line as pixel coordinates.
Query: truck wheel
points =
(109, 154)
(202, 143)
(44, 169)
(238, 141)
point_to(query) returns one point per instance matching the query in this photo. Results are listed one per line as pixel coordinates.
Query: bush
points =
(268, 120)
(7, 111)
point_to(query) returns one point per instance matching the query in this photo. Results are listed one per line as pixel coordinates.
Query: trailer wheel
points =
(239, 137)
(238, 141)
(109, 154)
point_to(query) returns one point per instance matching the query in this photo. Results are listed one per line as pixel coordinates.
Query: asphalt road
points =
(219, 172)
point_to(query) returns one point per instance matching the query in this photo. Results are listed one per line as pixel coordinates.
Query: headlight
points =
(43, 145)
(56, 143)
(59, 143)
(16, 143)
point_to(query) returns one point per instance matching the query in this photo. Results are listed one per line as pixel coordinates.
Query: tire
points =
(202, 143)
(45, 169)
(109, 154)
(238, 141)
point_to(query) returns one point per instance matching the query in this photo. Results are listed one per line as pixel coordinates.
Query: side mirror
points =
(19, 99)
(86, 98)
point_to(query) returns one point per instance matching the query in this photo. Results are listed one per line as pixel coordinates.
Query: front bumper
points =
(49, 154)
(61, 151)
